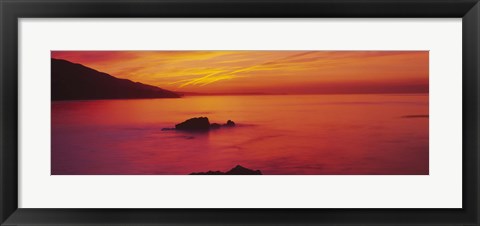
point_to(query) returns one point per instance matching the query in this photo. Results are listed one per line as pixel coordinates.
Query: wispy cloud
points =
(204, 70)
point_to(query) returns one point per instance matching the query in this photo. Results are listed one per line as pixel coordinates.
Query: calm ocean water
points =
(277, 134)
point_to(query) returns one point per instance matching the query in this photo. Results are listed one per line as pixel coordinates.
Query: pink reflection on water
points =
(277, 134)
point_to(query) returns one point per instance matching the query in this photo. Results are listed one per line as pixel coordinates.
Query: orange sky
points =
(264, 71)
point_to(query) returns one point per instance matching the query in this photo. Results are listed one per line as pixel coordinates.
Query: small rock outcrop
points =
(199, 124)
(230, 123)
(240, 170)
(237, 170)
(194, 124)
(215, 126)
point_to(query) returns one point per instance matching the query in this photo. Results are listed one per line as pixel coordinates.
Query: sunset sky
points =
(264, 71)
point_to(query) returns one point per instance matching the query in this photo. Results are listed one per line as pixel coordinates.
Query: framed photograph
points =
(239, 112)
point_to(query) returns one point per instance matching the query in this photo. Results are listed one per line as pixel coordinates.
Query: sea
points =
(347, 134)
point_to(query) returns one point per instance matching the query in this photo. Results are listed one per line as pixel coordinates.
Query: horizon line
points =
(280, 94)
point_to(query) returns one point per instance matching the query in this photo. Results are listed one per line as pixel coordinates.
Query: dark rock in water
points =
(240, 170)
(194, 124)
(230, 123)
(237, 170)
(199, 124)
(215, 126)
(209, 173)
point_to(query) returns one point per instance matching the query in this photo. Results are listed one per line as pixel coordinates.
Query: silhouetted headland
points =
(237, 170)
(200, 124)
(72, 81)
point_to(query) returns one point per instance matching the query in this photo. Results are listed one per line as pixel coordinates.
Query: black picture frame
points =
(12, 10)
